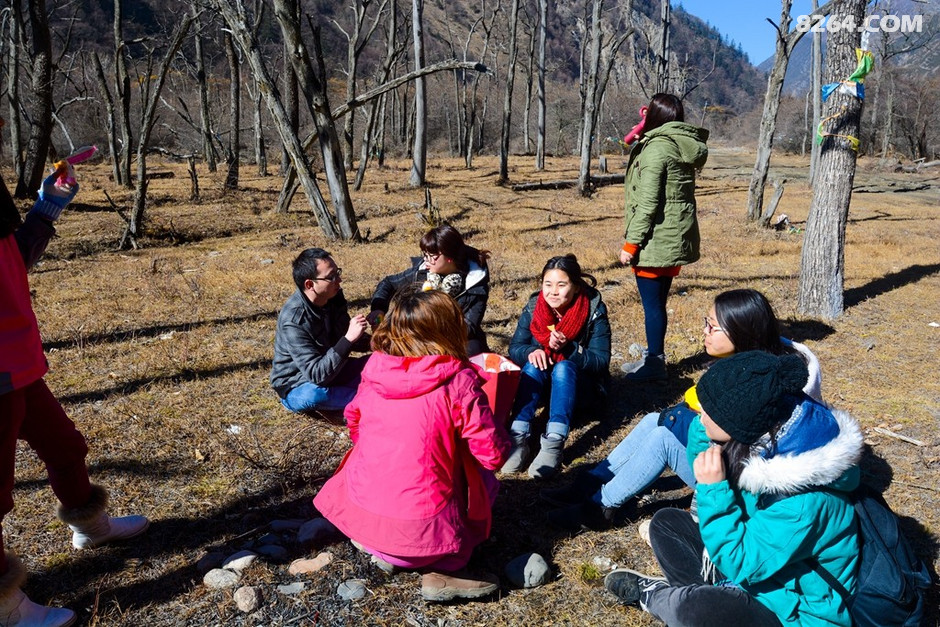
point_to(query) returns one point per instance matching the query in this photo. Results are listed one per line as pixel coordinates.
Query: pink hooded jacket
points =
(411, 486)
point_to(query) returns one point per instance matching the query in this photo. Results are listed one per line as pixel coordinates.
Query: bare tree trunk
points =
(507, 99)
(234, 15)
(419, 153)
(786, 41)
(822, 266)
(202, 80)
(153, 89)
(662, 72)
(540, 137)
(529, 80)
(122, 91)
(235, 107)
(261, 153)
(315, 96)
(13, 89)
(111, 121)
(817, 99)
(39, 104)
(291, 91)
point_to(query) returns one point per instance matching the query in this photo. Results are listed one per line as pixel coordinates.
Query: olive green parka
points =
(660, 195)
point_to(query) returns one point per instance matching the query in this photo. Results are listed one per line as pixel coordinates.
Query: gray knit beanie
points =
(749, 393)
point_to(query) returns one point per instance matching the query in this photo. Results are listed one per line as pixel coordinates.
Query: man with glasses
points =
(315, 335)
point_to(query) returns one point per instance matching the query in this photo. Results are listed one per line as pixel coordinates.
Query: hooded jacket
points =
(660, 195)
(590, 350)
(411, 485)
(22, 361)
(472, 300)
(768, 551)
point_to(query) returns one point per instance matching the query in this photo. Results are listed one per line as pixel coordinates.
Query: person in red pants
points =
(30, 412)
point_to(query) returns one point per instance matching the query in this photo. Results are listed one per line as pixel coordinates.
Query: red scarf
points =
(569, 324)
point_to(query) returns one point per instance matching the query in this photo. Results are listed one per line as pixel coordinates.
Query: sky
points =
(744, 21)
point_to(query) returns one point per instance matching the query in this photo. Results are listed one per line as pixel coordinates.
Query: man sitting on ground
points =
(312, 368)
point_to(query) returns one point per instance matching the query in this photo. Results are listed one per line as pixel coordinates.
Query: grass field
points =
(161, 357)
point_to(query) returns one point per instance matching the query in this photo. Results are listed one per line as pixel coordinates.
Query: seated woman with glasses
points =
(451, 266)
(739, 320)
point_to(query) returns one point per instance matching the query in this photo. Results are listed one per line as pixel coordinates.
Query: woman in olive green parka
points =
(661, 232)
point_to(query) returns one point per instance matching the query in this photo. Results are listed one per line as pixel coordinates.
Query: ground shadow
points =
(803, 330)
(887, 283)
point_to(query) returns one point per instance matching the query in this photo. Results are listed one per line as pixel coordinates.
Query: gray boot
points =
(548, 461)
(518, 455)
(653, 369)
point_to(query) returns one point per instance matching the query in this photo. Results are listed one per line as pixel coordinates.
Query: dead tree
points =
(786, 41)
(39, 104)
(233, 12)
(261, 153)
(13, 88)
(151, 97)
(540, 137)
(291, 90)
(507, 99)
(419, 153)
(392, 52)
(601, 60)
(233, 155)
(111, 118)
(122, 92)
(528, 68)
(662, 68)
(202, 80)
(356, 41)
(822, 265)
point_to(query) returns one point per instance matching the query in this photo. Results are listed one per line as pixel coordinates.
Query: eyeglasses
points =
(431, 258)
(332, 277)
(711, 328)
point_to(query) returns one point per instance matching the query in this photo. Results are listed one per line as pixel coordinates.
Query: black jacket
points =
(472, 300)
(310, 343)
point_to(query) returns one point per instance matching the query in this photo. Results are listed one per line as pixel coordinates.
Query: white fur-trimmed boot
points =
(91, 526)
(16, 610)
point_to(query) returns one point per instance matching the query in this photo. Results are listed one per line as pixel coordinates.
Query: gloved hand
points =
(54, 198)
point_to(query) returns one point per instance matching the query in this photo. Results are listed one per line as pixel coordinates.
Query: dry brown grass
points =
(156, 353)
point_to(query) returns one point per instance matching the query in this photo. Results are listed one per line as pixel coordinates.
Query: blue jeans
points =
(639, 460)
(309, 396)
(653, 293)
(560, 380)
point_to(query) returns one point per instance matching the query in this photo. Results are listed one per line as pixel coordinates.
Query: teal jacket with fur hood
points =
(765, 550)
(660, 195)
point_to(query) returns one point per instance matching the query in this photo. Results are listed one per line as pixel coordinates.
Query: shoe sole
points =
(449, 594)
(635, 572)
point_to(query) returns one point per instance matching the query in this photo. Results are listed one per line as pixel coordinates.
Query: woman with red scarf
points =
(563, 343)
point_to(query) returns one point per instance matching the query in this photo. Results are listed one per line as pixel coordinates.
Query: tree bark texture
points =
(540, 137)
(13, 89)
(235, 113)
(202, 80)
(507, 98)
(419, 153)
(822, 264)
(39, 104)
(111, 118)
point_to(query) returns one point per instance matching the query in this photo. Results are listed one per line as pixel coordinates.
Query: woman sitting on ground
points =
(416, 489)
(562, 341)
(451, 266)
(739, 320)
(775, 531)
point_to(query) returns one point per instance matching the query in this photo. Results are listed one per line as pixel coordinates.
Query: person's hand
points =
(556, 340)
(709, 466)
(357, 327)
(54, 198)
(625, 257)
(539, 359)
(375, 317)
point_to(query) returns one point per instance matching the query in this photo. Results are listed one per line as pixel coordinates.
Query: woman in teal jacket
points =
(774, 468)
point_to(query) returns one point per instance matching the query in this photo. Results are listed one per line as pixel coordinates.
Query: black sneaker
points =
(631, 586)
(584, 486)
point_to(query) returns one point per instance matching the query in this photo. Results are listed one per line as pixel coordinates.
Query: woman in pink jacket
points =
(416, 489)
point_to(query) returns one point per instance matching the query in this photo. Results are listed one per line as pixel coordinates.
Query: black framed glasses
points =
(431, 257)
(332, 277)
(711, 328)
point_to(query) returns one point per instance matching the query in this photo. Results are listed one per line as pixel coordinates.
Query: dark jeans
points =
(653, 293)
(689, 599)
